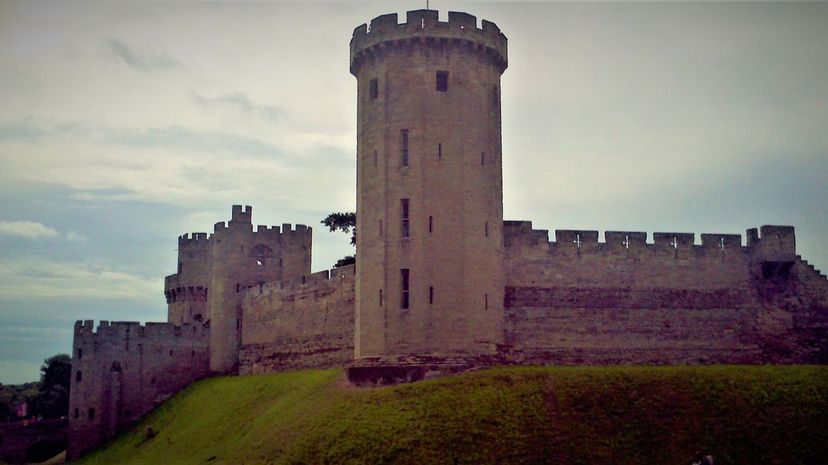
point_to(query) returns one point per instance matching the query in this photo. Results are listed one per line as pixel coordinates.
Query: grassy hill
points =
(608, 415)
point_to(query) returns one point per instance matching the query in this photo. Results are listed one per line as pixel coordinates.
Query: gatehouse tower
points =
(429, 277)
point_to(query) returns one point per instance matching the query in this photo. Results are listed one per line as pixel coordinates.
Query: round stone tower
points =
(429, 277)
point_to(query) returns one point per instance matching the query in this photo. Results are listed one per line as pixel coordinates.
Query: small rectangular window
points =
(78, 377)
(404, 288)
(375, 158)
(486, 301)
(482, 158)
(380, 229)
(431, 294)
(373, 89)
(80, 353)
(430, 223)
(440, 151)
(486, 229)
(442, 81)
(380, 297)
(404, 147)
(404, 217)
(91, 413)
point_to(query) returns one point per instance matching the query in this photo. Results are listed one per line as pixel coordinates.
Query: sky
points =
(126, 124)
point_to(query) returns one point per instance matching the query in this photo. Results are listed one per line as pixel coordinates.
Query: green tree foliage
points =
(56, 370)
(345, 222)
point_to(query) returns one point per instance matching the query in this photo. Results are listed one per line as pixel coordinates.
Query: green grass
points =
(608, 415)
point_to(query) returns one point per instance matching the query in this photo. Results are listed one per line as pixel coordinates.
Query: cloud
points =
(73, 236)
(28, 229)
(176, 164)
(241, 103)
(30, 278)
(142, 61)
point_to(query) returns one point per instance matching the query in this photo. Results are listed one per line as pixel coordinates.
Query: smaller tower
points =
(214, 271)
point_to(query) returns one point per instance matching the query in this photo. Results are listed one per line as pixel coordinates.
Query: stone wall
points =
(123, 370)
(577, 301)
(302, 323)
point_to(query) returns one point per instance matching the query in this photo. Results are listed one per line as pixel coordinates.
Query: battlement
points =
(423, 26)
(242, 215)
(262, 230)
(194, 240)
(118, 330)
(307, 280)
(774, 244)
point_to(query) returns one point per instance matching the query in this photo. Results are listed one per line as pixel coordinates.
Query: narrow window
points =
(380, 229)
(430, 223)
(486, 301)
(404, 217)
(80, 354)
(380, 297)
(91, 413)
(238, 321)
(180, 266)
(78, 377)
(373, 89)
(280, 262)
(482, 158)
(375, 158)
(404, 147)
(431, 294)
(237, 287)
(77, 412)
(440, 151)
(486, 228)
(442, 81)
(404, 288)
(171, 352)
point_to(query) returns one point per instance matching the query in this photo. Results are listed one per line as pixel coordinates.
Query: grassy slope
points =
(617, 415)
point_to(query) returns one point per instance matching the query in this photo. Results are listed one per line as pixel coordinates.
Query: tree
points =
(345, 222)
(52, 398)
(56, 370)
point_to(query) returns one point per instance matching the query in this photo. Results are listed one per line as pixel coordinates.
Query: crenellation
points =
(576, 241)
(422, 27)
(721, 242)
(781, 243)
(109, 331)
(625, 241)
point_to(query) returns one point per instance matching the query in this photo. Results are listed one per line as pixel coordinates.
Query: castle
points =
(441, 282)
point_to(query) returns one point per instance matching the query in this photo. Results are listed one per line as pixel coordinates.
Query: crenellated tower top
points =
(423, 26)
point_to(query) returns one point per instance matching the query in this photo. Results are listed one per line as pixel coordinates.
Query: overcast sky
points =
(124, 125)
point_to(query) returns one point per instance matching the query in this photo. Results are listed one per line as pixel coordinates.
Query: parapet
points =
(117, 330)
(324, 276)
(767, 244)
(773, 244)
(424, 26)
(242, 215)
(194, 240)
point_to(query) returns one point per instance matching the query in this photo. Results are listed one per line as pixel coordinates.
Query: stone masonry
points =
(442, 284)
